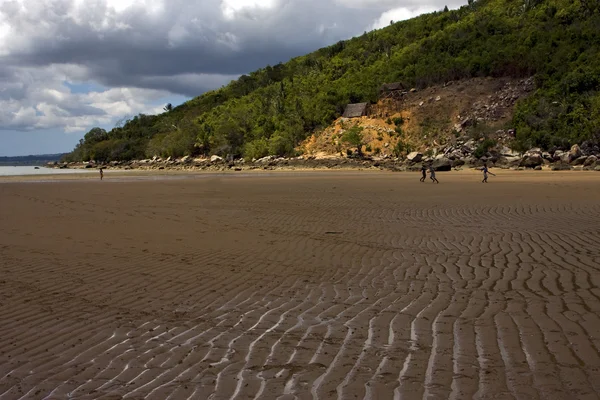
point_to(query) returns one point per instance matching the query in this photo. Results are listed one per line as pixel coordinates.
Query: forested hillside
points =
(270, 111)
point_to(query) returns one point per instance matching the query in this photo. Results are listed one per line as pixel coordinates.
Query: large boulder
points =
(565, 157)
(575, 152)
(215, 158)
(590, 148)
(415, 156)
(531, 160)
(557, 155)
(579, 160)
(591, 160)
(459, 162)
(535, 150)
(507, 152)
(561, 167)
(442, 164)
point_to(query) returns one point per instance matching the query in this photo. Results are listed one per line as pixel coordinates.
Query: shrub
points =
(399, 148)
(484, 147)
(281, 144)
(257, 148)
(354, 137)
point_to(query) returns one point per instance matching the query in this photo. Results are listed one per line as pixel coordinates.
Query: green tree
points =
(354, 138)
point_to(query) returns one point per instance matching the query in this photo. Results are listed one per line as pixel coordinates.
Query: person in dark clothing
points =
(485, 173)
(424, 172)
(432, 174)
(101, 173)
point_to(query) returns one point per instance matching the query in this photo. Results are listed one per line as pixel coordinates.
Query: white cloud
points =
(38, 98)
(231, 7)
(400, 14)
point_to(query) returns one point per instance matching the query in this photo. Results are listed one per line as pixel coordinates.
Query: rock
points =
(415, 156)
(265, 160)
(579, 160)
(565, 158)
(215, 158)
(442, 164)
(575, 152)
(591, 160)
(531, 161)
(558, 154)
(459, 162)
(185, 159)
(455, 155)
(597, 168)
(535, 150)
(438, 98)
(507, 152)
(538, 168)
(465, 122)
(561, 167)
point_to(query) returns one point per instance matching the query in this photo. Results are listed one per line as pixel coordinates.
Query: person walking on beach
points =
(432, 174)
(101, 174)
(485, 173)
(424, 172)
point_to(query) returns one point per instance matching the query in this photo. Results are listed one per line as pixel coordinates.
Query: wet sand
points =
(313, 285)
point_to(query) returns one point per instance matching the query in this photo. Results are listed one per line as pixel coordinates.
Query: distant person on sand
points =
(432, 174)
(424, 172)
(101, 174)
(485, 173)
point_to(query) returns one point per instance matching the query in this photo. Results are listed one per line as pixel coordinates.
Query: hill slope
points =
(273, 110)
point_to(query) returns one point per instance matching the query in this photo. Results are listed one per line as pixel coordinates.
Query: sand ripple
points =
(332, 286)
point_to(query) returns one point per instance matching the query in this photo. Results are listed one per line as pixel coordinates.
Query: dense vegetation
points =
(271, 110)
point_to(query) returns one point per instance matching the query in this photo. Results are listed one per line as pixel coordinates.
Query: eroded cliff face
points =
(429, 120)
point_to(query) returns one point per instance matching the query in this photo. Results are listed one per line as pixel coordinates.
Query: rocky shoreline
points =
(533, 160)
(460, 155)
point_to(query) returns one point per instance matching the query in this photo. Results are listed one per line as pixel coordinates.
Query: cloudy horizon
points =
(69, 65)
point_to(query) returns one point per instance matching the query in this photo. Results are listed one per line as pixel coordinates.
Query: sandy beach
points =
(310, 285)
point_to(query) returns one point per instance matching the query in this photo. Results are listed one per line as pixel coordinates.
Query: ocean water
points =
(30, 170)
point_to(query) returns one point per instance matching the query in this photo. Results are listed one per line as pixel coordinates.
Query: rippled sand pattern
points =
(315, 286)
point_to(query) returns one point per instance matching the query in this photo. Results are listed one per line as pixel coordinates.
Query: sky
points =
(67, 66)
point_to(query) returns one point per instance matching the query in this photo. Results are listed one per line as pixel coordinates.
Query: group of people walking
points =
(425, 168)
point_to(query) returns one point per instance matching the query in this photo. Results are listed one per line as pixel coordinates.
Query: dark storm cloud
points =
(182, 38)
(158, 47)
